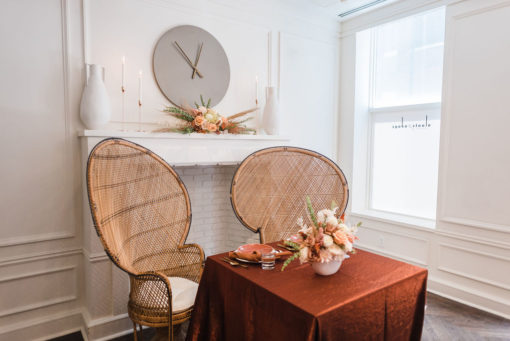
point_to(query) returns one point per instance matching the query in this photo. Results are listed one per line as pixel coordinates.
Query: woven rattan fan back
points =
(140, 207)
(270, 186)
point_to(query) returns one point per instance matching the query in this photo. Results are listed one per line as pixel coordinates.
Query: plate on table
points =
(249, 248)
(262, 248)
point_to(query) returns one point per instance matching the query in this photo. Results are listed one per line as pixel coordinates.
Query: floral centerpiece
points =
(327, 241)
(203, 119)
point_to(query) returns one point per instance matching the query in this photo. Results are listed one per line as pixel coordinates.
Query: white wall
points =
(468, 253)
(40, 235)
(46, 260)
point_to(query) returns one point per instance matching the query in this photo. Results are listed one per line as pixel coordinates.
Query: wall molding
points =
(39, 305)
(34, 257)
(475, 223)
(94, 257)
(446, 109)
(473, 278)
(478, 240)
(405, 235)
(400, 257)
(38, 327)
(481, 253)
(481, 10)
(44, 303)
(36, 238)
(467, 275)
(37, 273)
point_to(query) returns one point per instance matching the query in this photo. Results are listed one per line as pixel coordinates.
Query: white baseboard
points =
(106, 328)
(468, 297)
(45, 327)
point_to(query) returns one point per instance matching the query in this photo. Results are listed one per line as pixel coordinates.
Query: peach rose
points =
(212, 127)
(339, 237)
(198, 120)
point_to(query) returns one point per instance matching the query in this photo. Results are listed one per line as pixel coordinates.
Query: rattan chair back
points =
(140, 207)
(269, 189)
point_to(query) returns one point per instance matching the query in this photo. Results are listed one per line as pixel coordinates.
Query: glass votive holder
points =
(267, 261)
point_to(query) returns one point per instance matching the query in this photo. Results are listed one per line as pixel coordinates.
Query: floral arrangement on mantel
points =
(327, 239)
(203, 119)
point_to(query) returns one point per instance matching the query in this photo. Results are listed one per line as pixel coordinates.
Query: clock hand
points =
(187, 59)
(196, 60)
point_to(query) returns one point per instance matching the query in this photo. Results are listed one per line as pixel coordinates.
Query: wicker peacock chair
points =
(142, 214)
(270, 186)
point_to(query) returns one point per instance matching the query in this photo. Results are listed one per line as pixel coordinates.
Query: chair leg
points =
(141, 332)
(135, 336)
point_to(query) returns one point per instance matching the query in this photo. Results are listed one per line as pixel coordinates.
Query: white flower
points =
(306, 230)
(209, 117)
(203, 110)
(336, 250)
(303, 255)
(300, 222)
(327, 240)
(348, 246)
(331, 220)
(344, 227)
(321, 216)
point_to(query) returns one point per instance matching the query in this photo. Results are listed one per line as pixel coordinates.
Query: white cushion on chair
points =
(183, 293)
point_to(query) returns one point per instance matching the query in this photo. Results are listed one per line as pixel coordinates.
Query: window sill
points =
(397, 219)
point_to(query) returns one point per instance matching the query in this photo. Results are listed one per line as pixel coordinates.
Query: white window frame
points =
(364, 118)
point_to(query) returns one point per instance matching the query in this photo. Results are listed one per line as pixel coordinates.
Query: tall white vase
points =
(95, 110)
(271, 117)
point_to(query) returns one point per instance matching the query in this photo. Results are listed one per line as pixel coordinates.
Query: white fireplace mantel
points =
(189, 150)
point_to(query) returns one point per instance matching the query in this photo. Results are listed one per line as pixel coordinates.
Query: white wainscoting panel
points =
(474, 182)
(308, 92)
(472, 264)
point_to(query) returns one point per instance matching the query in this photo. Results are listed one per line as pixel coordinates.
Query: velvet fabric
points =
(371, 297)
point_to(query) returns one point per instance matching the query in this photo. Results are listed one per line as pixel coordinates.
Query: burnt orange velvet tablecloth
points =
(370, 298)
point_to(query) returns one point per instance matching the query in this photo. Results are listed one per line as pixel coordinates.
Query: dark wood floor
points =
(452, 321)
(444, 320)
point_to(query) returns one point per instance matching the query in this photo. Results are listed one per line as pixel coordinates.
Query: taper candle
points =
(140, 101)
(256, 90)
(123, 72)
(140, 87)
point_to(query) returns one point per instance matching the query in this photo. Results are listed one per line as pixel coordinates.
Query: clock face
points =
(189, 62)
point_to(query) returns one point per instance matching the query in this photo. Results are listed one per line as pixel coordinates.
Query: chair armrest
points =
(151, 290)
(186, 261)
(150, 299)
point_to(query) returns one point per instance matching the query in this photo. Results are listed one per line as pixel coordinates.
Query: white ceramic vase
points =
(326, 268)
(95, 110)
(271, 117)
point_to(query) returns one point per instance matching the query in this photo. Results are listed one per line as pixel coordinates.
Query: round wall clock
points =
(189, 62)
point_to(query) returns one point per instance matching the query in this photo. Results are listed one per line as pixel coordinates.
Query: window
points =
(406, 62)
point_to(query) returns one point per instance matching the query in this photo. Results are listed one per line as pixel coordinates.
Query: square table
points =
(371, 297)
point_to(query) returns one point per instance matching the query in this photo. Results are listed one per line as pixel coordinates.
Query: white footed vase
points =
(326, 268)
(95, 110)
(271, 117)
